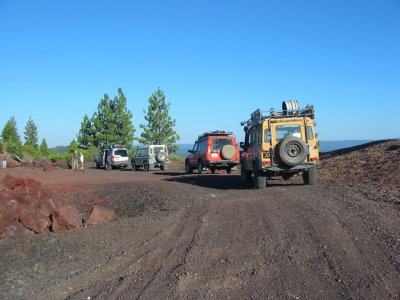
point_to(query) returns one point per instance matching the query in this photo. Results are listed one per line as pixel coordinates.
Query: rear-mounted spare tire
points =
(292, 151)
(228, 152)
(160, 156)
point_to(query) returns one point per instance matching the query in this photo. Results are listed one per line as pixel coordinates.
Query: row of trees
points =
(11, 136)
(112, 122)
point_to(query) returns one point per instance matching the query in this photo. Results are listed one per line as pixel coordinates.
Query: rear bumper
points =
(221, 163)
(120, 163)
(278, 168)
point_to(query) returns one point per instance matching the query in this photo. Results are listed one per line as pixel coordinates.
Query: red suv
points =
(214, 150)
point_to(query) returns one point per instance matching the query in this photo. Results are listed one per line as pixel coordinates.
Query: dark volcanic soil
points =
(209, 236)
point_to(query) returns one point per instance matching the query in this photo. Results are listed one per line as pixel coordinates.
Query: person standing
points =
(74, 160)
(81, 159)
(4, 162)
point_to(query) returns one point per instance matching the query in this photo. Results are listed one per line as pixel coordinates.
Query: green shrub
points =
(174, 157)
(37, 155)
(15, 148)
(29, 149)
(92, 152)
(59, 156)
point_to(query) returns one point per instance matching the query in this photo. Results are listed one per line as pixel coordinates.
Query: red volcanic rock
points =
(46, 208)
(11, 182)
(48, 168)
(3, 226)
(7, 213)
(28, 165)
(21, 209)
(32, 183)
(42, 162)
(61, 163)
(36, 222)
(5, 196)
(11, 165)
(65, 218)
(15, 230)
(100, 214)
(32, 195)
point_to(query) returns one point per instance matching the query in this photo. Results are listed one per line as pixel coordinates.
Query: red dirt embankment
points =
(372, 167)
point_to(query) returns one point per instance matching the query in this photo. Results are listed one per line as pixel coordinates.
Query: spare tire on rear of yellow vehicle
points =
(292, 151)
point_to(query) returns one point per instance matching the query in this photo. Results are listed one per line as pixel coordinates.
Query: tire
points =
(229, 170)
(160, 156)
(163, 167)
(188, 168)
(292, 151)
(213, 170)
(228, 152)
(108, 166)
(310, 176)
(259, 180)
(145, 166)
(245, 175)
(134, 168)
(200, 167)
(97, 165)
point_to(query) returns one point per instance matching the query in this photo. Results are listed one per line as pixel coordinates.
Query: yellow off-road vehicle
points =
(282, 143)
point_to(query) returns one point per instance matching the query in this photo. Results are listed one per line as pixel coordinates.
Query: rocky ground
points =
(209, 236)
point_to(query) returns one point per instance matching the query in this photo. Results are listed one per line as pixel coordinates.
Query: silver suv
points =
(116, 156)
(150, 157)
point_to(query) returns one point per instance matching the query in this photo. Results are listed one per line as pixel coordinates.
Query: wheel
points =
(145, 166)
(188, 168)
(163, 167)
(310, 176)
(200, 167)
(229, 170)
(245, 176)
(228, 152)
(213, 170)
(259, 180)
(108, 166)
(292, 151)
(160, 156)
(134, 166)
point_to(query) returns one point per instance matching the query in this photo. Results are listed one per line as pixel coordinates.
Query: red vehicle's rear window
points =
(219, 142)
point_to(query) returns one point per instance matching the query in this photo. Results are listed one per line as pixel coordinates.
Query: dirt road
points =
(209, 236)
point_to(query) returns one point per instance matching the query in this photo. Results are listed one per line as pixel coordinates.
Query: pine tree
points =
(31, 134)
(73, 146)
(10, 132)
(44, 150)
(10, 135)
(86, 134)
(159, 129)
(112, 123)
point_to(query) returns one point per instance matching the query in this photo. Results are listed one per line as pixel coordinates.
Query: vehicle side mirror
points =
(190, 151)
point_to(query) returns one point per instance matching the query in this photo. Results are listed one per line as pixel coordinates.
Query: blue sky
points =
(216, 61)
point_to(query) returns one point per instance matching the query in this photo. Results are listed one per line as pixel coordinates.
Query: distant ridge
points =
(326, 146)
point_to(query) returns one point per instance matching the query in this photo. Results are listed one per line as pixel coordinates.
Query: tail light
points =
(267, 162)
(112, 157)
(314, 159)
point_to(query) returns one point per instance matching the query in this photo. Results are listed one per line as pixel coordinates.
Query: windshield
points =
(283, 131)
(218, 143)
(121, 152)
